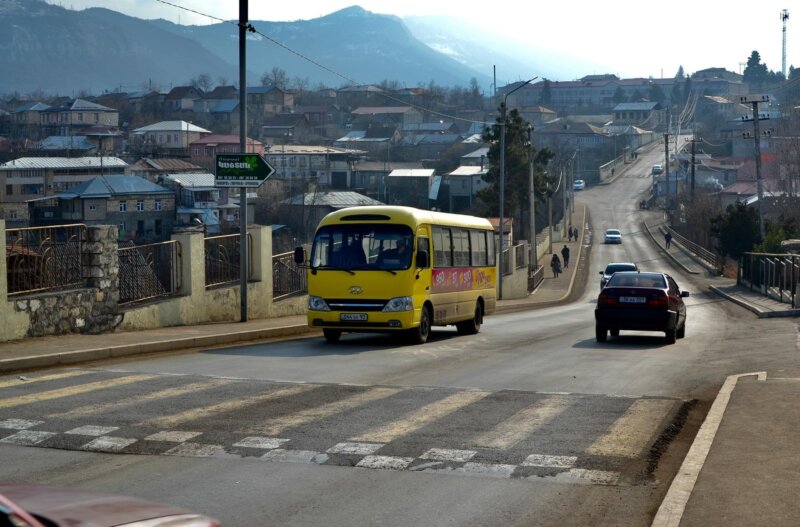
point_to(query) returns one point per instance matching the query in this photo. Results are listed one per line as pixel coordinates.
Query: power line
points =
(322, 66)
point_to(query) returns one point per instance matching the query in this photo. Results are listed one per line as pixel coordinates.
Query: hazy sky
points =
(633, 38)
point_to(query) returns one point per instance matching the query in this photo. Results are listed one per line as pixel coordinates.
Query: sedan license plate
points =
(353, 317)
(632, 299)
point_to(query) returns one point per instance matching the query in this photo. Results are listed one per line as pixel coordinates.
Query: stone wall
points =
(95, 308)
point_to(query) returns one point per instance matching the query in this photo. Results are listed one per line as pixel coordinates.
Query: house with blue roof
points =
(143, 211)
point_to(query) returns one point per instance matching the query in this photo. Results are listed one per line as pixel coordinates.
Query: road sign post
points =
(243, 171)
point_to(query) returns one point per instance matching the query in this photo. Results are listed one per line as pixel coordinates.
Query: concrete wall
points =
(96, 309)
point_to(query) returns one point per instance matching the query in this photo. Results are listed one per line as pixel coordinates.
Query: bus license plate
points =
(353, 317)
(632, 299)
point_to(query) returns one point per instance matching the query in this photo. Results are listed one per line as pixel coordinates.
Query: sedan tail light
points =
(605, 300)
(660, 300)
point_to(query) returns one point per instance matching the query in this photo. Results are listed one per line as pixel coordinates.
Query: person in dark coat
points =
(667, 238)
(555, 265)
(565, 255)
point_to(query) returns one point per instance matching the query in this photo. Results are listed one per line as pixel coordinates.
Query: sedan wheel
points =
(671, 336)
(600, 333)
(682, 331)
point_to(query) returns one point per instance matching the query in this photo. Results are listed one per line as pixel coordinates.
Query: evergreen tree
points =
(619, 95)
(755, 74)
(737, 230)
(681, 74)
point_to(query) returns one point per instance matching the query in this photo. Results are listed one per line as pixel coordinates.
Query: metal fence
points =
(288, 278)
(520, 253)
(709, 257)
(223, 259)
(149, 271)
(44, 258)
(773, 275)
(535, 277)
(507, 266)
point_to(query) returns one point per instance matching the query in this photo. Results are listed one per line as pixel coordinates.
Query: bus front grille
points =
(337, 304)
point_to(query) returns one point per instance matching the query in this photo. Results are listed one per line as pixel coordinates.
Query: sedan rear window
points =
(637, 280)
(616, 268)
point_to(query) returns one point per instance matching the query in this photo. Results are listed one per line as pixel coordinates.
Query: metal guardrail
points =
(773, 275)
(44, 258)
(223, 259)
(288, 278)
(506, 264)
(709, 257)
(149, 271)
(535, 277)
(519, 256)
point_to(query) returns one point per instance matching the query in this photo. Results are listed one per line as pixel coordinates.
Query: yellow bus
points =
(399, 269)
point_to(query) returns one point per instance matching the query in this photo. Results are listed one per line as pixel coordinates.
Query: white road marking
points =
(445, 454)
(385, 462)
(594, 477)
(525, 422)
(90, 430)
(277, 425)
(671, 510)
(362, 449)
(108, 444)
(140, 399)
(27, 437)
(171, 421)
(73, 390)
(633, 431)
(539, 460)
(173, 436)
(266, 443)
(421, 417)
(194, 450)
(486, 469)
(63, 375)
(19, 424)
(291, 456)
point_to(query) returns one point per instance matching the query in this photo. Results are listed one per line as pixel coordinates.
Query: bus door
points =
(422, 277)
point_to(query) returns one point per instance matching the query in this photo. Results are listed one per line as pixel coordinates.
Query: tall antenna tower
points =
(784, 18)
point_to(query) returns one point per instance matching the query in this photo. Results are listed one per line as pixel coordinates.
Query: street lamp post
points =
(532, 198)
(502, 182)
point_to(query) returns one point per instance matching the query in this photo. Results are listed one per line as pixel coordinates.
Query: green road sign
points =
(241, 170)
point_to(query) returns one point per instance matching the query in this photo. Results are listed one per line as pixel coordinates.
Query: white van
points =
(657, 169)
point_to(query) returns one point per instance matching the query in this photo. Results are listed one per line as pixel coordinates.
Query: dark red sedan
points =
(28, 505)
(641, 301)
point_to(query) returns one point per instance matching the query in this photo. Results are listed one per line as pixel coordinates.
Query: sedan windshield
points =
(363, 246)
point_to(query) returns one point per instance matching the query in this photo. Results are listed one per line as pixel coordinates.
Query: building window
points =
(140, 205)
(158, 204)
(80, 117)
(157, 228)
(92, 208)
(123, 206)
(12, 215)
(96, 118)
(122, 230)
(9, 190)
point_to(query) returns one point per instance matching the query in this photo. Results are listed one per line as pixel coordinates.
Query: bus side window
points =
(424, 245)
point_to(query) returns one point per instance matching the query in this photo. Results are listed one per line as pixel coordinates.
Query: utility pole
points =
(666, 171)
(243, 258)
(754, 100)
(532, 199)
(694, 141)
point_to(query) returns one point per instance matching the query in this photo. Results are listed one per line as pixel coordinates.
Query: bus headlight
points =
(316, 303)
(400, 303)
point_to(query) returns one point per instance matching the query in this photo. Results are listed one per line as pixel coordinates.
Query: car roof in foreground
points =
(64, 505)
(627, 266)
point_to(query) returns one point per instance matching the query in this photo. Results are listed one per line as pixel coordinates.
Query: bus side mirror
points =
(423, 260)
(299, 256)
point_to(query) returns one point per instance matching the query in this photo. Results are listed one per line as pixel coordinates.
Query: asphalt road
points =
(530, 422)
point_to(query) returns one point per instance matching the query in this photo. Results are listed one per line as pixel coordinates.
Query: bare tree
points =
(202, 82)
(275, 77)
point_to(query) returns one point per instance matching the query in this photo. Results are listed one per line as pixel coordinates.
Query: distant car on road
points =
(657, 169)
(638, 301)
(615, 267)
(29, 505)
(578, 184)
(613, 236)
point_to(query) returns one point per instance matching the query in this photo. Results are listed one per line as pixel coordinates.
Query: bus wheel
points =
(473, 325)
(332, 335)
(420, 334)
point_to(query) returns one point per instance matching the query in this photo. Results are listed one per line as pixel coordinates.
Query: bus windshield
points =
(362, 246)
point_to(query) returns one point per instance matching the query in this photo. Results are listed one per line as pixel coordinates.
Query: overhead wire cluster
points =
(249, 27)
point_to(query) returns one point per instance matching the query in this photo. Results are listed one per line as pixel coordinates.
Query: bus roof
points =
(404, 215)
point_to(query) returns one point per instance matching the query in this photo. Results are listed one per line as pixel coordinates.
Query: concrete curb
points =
(755, 309)
(73, 357)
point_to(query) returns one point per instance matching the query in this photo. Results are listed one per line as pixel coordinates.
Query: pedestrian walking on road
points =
(565, 255)
(667, 238)
(555, 265)
(569, 232)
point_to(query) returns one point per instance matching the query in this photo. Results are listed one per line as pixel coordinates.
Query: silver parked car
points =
(615, 267)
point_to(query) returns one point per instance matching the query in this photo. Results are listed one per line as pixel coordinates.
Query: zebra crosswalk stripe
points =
(419, 418)
(277, 425)
(523, 423)
(632, 432)
(133, 401)
(72, 390)
(43, 378)
(171, 421)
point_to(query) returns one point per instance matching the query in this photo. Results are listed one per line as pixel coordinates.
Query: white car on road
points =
(613, 236)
